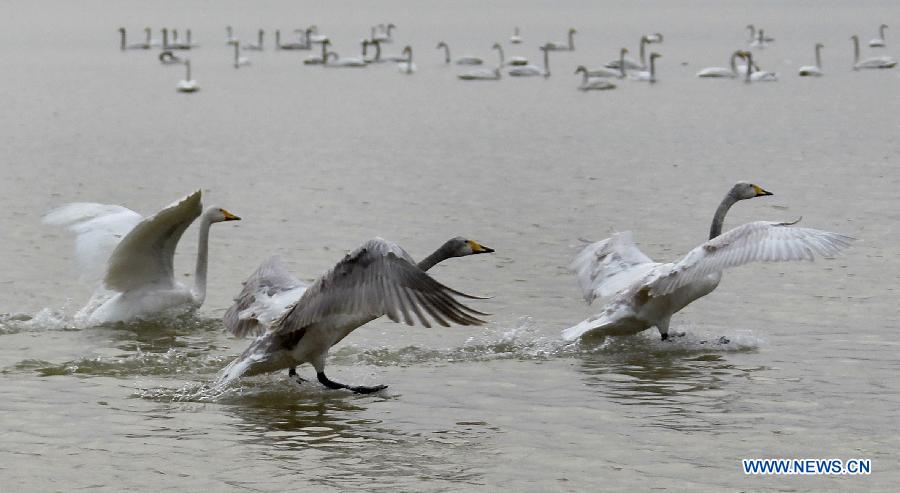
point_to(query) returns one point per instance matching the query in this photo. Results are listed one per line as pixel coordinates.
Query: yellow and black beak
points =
(229, 216)
(479, 248)
(760, 192)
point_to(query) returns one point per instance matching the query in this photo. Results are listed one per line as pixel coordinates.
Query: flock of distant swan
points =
(128, 260)
(309, 39)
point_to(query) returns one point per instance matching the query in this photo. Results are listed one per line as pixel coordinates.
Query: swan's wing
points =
(760, 241)
(606, 267)
(145, 256)
(262, 298)
(377, 279)
(98, 228)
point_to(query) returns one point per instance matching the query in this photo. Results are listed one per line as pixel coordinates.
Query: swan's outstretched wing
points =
(377, 279)
(98, 228)
(145, 256)
(606, 267)
(760, 241)
(265, 296)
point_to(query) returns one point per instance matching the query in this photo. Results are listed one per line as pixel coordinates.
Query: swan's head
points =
(497, 47)
(218, 215)
(659, 38)
(883, 26)
(572, 30)
(462, 247)
(655, 55)
(122, 30)
(623, 51)
(581, 68)
(441, 45)
(743, 190)
(819, 46)
(407, 50)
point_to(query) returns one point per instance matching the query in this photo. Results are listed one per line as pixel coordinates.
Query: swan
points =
(290, 46)
(133, 46)
(153, 42)
(259, 42)
(630, 64)
(229, 35)
(873, 62)
(813, 70)
(382, 33)
(557, 46)
(483, 73)
(647, 293)
(589, 84)
(188, 41)
(313, 36)
(756, 39)
(169, 58)
(407, 66)
(130, 257)
(879, 41)
(533, 70)
(598, 72)
(752, 73)
(239, 61)
(515, 38)
(761, 41)
(648, 76)
(378, 278)
(342, 62)
(654, 38)
(516, 61)
(166, 45)
(465, 60)
(721, 72)
(188, 84)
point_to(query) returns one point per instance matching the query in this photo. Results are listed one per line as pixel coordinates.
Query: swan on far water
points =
(259, 42)
(646, 293)
(752, 73)
(650, 75)
(872, 62)
(515, 38)
(129, 258)
(299, 323)
(879, 41)
(484, 73)
(533, 70)
(407, 66)
(592, 84)
(463, 60)
(813, 70)
(133, 46)
(557, 46)
(722, 72)
(239, 61)
(188, 84)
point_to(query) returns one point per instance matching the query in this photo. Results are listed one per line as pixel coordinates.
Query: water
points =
(316, 161)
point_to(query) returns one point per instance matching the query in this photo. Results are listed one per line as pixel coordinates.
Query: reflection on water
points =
(683, 387)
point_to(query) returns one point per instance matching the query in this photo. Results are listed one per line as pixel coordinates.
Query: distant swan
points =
(465, 60)
(592, 84)
(630, 64)
(515, 38)
(483, 73)
(813, 70)
(339, 62)
(407, 66)
(647, 293)
(188, 84)
(721, 72)
(229, 35)
(533, 70)
(290, 46)
(239, 61)
(174, 45)
(378, 278)
(873, 62)
(648, 76)
(383, 33)
(752, 73)
(557, 46)
(879, 41)
(130, 258)
(133, 46)
(259, 42)
(599, 72)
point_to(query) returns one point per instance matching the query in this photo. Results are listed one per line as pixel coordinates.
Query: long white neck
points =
(199, 291)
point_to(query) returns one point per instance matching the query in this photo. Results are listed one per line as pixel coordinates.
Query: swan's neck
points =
(502, 56)
(277, 39)
(237, 53)
(584, 78)
(439, 255)
(855, 50)
(642, 50)
(148, 33)
(749, 68)
(571, 41)
(324, 53)
(377, 51)
(165, 33)
(546, 63)
(122, 37)
(446, 54)
(408, 61)
(881, 31)
(199, 292)
(719, 219)
(260, 38)
(652, 69)
(752, 33)
(188, 65)
(818, 56)
(187, 37)
(622, 63)
(733, 65)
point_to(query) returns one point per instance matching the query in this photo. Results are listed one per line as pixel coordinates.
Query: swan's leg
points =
(331, 384)
(292, 372)
(663, 327)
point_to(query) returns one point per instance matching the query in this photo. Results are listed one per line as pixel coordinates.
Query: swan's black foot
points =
(724, 340)
(665, 336)
(292, 372)
(331, 384)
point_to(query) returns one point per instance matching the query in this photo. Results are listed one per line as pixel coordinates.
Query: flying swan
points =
(129, 258)
(647, 293)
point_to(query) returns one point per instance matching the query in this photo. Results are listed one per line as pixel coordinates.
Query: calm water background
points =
(318, 160)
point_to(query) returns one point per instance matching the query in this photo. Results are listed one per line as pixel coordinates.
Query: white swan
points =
(654, 38)
(647, 293)
(291, 46)
(483, 73)
(407, 66)
(757, 39)
(534, 70)
(464, 60)
(592, 84)
(630, 64)
(813, 70)
(174, 45)
(313, 36)
(721, 72)
(383, 33)
(873, 62)
(752, 73)
(650, 75)
(378, 278)
(188, 84)
(879, 41)
(133, 46)
(150, 40)
(259, 42)
(229, 35)
(338, 62)
(239, 61)
(557, 46)
(130, 258)
(515, 38)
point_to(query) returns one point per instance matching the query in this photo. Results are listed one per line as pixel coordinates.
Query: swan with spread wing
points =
(130, 259)
(646, 293)
(300, 322)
